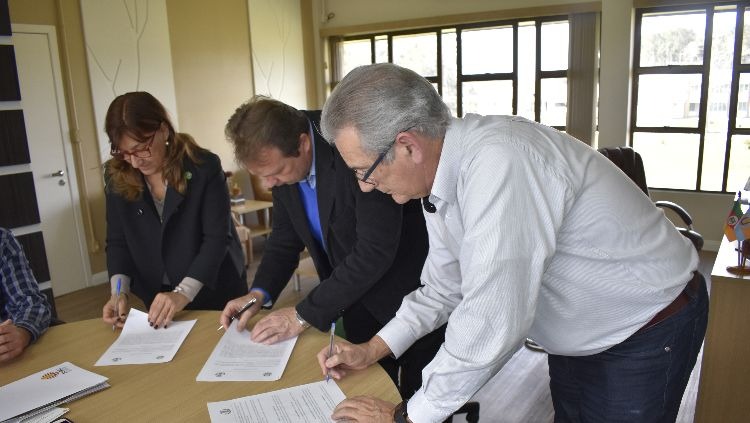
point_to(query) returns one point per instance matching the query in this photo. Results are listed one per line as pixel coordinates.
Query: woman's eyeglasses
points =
(141, 153)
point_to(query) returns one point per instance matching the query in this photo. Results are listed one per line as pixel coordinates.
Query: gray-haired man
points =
(533, 234)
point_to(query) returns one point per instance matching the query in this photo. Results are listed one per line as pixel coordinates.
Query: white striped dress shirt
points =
(535, 234)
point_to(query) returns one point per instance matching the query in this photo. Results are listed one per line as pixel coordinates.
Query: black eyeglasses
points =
(364, 176)
(142, 153)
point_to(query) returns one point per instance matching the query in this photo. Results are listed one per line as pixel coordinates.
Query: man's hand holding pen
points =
(234, 310)
(335, 361)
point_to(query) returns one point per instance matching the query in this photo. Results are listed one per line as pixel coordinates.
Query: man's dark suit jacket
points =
(375, 247)
(197, 238)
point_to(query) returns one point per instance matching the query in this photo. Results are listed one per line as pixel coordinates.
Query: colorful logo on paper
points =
(53, 374)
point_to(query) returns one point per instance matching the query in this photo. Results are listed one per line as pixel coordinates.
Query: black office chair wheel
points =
(471, 409)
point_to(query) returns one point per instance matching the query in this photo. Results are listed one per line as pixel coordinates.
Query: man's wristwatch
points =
(399, 413)
(302, 322)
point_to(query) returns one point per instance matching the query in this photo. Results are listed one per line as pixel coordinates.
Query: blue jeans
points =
(642, 379)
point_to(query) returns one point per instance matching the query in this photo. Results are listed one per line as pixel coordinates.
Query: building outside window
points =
(691, 87)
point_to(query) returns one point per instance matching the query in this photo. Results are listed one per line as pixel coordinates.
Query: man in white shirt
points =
(532, 233)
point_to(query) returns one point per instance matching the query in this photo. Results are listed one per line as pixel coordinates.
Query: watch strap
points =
(302, 322)
(399, 413)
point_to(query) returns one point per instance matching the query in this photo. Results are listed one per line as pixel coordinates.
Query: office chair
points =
(54, 321)
(631, 163)
(471, 409)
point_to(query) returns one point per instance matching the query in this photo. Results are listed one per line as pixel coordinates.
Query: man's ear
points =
(412, 145)
(304, 143)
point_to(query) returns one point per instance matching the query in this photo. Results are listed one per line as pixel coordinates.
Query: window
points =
(691, 87)
(516, 67)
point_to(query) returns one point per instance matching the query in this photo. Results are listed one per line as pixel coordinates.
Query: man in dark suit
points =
(368, 250)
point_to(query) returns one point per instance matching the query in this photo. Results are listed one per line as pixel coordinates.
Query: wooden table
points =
(725, 370)
(168, 392)
(250, 206)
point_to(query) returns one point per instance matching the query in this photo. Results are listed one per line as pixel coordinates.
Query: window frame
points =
(709, 9)
(460, 77)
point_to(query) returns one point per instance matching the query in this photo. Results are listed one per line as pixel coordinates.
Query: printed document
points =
(139, 343)
(236, 358)
(311, 403)
(46, 389)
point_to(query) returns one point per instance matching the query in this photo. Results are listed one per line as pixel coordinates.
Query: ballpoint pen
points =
(117, 303)
(237, 315)
(330, 348)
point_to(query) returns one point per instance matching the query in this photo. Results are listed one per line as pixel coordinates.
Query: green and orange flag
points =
(737, 225)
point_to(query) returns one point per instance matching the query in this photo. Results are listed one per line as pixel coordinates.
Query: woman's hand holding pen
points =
(116, 316)
(233, 307)
(164, 307)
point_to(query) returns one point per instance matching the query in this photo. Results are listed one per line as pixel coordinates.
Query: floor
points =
(519, 393)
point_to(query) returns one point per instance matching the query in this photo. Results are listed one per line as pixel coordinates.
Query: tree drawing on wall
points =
(137, 19)
(266, 66)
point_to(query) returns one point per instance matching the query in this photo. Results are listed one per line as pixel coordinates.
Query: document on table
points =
(46, 389)
(236, 359)
(46, 416)
(139, 343)
(311, 403)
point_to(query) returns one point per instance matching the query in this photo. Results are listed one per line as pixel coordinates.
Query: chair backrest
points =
(262, 194)
(630, 162)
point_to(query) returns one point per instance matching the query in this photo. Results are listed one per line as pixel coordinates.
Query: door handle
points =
(59, 173)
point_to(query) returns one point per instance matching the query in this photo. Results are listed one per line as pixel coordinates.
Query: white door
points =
(44, 112)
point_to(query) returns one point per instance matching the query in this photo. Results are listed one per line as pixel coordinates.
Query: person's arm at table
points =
(117, 308)
(28, 311)
(119, 260)
(13, 340)
(377, 222)
(280, 257)
(349, 356)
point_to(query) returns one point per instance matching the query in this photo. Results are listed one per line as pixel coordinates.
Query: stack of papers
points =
(44, 390)
(237, 359)
(139, 343)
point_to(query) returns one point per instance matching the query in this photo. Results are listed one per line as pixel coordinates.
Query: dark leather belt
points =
(675, 306)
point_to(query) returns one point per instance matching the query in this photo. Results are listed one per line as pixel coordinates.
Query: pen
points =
(117, 303)
(330, 348)
(237, 315)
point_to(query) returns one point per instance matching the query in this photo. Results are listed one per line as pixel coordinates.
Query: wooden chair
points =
(262, 194)
(299, 273)
(245, 239)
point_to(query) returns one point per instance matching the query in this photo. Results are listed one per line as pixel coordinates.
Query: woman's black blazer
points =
(194, 238)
